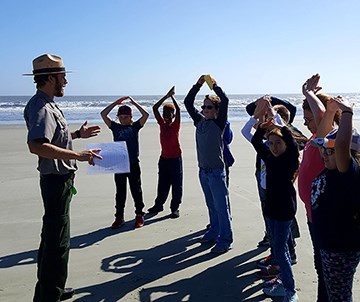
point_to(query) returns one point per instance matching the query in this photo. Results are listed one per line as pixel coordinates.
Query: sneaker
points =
(118, 223)
(155, 209)
(277, 290)
(272, 282)
(264, 242)
(175, 214)
(293, 258)
(265, 262)
(139, 221)
(219, 249)
(269, 272)
(68, 293)
(291, 298)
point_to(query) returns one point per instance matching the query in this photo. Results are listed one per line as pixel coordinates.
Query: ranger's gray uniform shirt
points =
(46, 122)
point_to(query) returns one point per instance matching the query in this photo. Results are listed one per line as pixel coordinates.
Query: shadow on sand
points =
(77, 242)
(231, 280)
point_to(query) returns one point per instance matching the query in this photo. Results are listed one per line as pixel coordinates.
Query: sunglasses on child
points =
(327, 151)
(209, 107)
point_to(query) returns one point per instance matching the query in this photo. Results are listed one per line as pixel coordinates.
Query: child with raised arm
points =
(335, 204)
(281, 158)
(279, 113)
(127, 131)
(287, 111)
(170, 161)
(210, 124)
(314, 107)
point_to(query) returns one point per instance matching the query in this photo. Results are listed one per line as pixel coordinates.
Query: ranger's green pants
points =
(53, 254)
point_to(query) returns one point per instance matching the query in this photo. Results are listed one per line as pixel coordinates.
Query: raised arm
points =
(105, 112)
(144, 113)
(259, 113)
(344, 135)
(250, 108)
(326, 123)
(177, 110)
(223, 106)
(159, 103)
(190, 99)
(248, 126)
(257, 142)
(309, 89)
(289, 140)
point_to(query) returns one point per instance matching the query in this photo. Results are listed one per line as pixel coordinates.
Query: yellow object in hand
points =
(209, 81)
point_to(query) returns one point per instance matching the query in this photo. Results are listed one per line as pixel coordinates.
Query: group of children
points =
(327, 178)
(170, 162)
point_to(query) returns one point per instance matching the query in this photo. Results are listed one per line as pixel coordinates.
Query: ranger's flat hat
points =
(47, 64)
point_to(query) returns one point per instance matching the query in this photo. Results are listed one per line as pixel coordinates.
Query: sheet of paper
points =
(115, 158)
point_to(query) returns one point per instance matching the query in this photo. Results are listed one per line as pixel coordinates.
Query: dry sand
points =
(161, 261)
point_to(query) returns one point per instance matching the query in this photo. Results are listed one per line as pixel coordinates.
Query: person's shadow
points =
(231, 280)
(77, 242)
(135, 269)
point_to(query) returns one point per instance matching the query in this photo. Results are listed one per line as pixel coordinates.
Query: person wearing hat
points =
(335, 204)
(51, 140)
(127, 131)
(170, 161)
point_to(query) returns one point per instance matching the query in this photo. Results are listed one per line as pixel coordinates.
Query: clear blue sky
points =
(146, 46)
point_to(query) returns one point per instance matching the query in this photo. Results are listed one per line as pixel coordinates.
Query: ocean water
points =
(77, 109)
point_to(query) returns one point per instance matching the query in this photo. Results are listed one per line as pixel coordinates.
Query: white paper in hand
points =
(115, 158)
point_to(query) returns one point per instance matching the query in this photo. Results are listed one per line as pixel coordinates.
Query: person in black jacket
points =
(335, 205)
(282, 161)
(300, 139)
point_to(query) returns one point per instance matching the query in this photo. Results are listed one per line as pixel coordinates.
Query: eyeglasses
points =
(327, 151)
(209, 107)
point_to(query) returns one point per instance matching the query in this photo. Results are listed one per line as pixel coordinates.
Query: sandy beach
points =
(162, 261)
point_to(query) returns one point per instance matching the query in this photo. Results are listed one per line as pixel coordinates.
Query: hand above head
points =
(89, 131)
(272, 122)
(132, 101)
(201, 80)
(213, 80)
(268, 125)
(122, 99)
(263, 101)
(262, 105)
(311, 84)
(341, 103)
(171, 92)
(265, 97)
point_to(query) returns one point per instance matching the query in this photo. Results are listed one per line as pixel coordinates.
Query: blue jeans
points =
(213, 183)
(280, 232)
